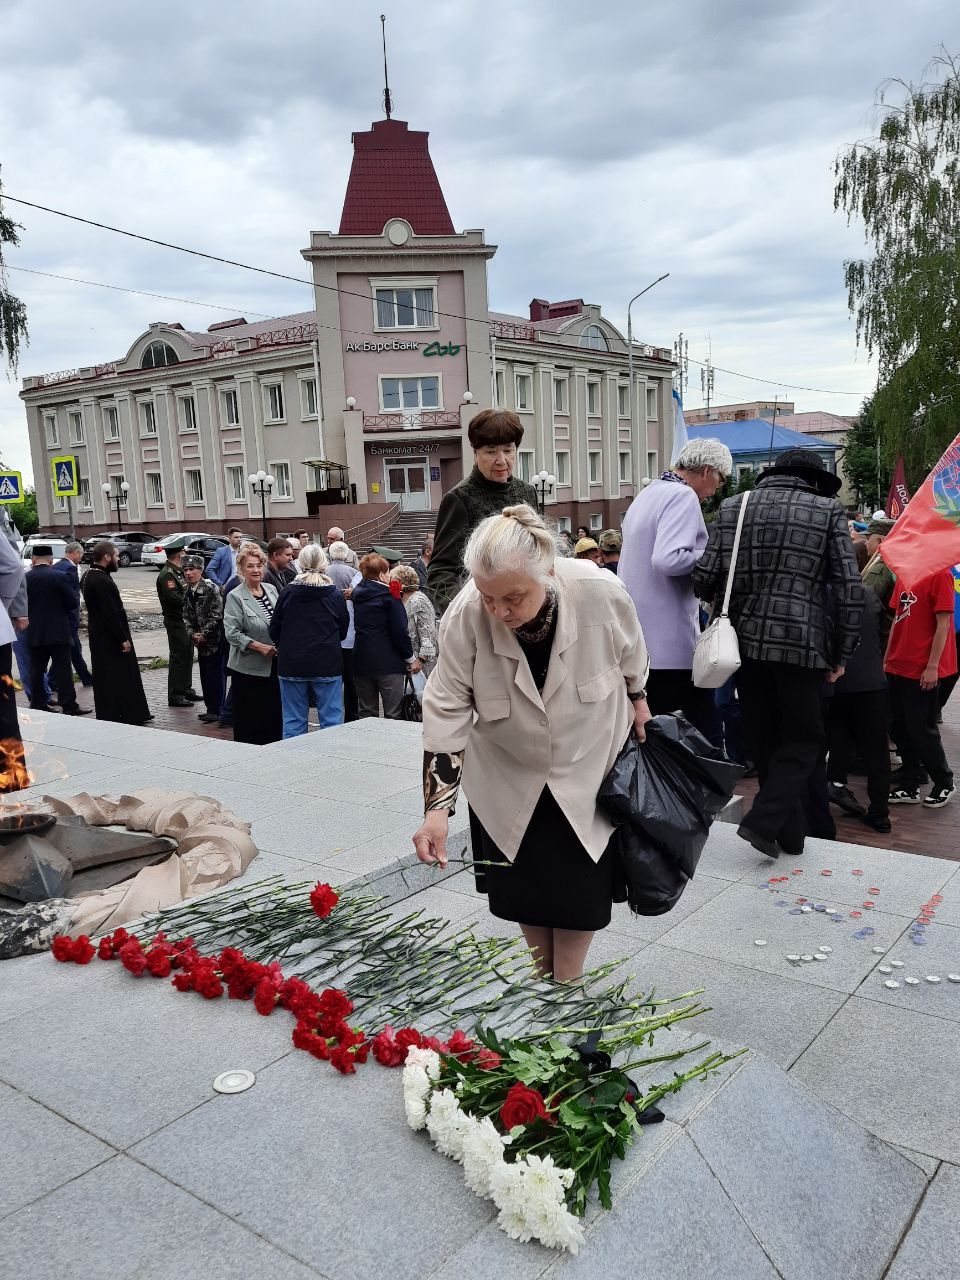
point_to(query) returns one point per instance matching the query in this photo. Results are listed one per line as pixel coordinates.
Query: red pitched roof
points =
(392, 176)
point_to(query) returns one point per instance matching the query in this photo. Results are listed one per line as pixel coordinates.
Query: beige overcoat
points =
(481, 699)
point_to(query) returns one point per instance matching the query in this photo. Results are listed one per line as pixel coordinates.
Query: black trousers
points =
(14, 776)
(949, 683)
(58, 655)
(211, 680)
(858, 726)
(782, 714)
(351, 707)
(180, 670)
(670, 690)
(916, 733)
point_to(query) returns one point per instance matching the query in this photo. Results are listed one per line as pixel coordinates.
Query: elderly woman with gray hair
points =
(664, 535)
(540, 679)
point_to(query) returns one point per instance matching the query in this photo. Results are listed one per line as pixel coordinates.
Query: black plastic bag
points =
(662, 795)
(410, 708)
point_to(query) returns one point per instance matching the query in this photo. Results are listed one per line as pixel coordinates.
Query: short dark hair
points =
(297, 532)
(494, 426)
(277, 544)
(233, 529)
(101, 550)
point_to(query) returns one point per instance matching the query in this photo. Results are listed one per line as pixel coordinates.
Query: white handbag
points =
(717, 655)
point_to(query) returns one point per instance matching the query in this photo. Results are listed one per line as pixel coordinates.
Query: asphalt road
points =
(138, 588)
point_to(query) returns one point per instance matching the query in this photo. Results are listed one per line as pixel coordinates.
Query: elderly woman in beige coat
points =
(539, 682)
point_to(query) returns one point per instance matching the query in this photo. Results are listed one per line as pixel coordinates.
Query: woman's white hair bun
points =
(514, 540)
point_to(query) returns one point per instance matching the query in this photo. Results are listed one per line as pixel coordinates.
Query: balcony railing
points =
(426, 420)
(518, 332)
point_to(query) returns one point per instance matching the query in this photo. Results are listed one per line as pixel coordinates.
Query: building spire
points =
(387, 99)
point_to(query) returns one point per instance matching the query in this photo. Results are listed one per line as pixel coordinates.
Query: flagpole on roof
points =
(387, 99)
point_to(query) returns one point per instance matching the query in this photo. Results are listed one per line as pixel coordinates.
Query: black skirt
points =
(553, 882)
(257, 714)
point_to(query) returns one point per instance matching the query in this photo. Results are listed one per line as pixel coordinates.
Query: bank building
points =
(359, 408)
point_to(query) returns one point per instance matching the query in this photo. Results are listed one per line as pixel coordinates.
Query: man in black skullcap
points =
(51, 600)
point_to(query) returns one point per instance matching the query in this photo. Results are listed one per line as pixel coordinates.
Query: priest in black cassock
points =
(117, 687)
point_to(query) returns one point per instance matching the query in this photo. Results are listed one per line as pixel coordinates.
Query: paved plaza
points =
(830, 1149)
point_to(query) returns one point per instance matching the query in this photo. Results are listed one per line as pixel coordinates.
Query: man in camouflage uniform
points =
(203, 618)
(171, 588)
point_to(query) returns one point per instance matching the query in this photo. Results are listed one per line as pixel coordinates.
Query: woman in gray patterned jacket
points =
(421, 618)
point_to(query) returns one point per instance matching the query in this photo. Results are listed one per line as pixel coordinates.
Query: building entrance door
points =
(408, 482)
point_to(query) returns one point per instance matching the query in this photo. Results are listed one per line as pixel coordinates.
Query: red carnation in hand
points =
(386, 1050)
(523, 1106)
(323, 900)
(487, 1060)
(62, 948)
(407, 1037)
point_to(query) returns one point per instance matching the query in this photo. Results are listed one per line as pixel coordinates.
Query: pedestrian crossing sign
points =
(11, 486)
(65, 482)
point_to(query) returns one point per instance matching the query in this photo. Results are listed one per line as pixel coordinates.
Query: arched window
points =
(594, 338)
(157, 355)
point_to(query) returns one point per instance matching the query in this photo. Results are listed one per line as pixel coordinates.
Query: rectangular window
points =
(593, 399)
(499, 387)
(111, 423)
(193, 482)
(75, 419)
(596, 520)
(524, 392)
(154, 488)
(236, 488)
(187, 409)
(83, 498)
(308, 397)
(116, 486)
(623, 402)
(595, 463)
(653, 466)
(51, 431)
(625, 468)
(563, 466)
(229, 409)
(651, 402)
(273, 402)
(744, 469)
(400, 308)
(564, 524)
(148, 418)
(399, 394)
(59, 502)
(525, 465)
(280, 471)
(560, 395)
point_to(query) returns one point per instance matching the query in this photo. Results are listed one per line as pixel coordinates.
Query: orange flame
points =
(14, 775)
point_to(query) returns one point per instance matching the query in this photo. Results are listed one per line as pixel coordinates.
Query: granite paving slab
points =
(729, 925)
(699, 891)
(822, 1196)
(766, 1011)
(328, 828)
(32, 981)
(948, 911)
(727, 857)
(39, 1151)
(939, 956)
(932, 1246)
(893, 1070)
(123, 1221)
(326, 1167)
(125, 1056)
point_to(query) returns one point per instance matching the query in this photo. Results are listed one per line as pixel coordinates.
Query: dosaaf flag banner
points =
(926, 537)
(899, 494)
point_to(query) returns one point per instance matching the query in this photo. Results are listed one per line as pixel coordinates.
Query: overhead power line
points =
(143, 293)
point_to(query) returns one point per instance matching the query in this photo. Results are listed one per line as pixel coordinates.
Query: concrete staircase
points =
(408, 533)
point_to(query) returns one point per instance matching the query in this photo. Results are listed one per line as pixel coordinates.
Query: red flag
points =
(899, 494)
(926, 537)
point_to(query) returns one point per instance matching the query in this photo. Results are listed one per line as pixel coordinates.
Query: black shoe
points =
(87, 684)
(769, 848)
(844, 799)
(905, 795)
(78, 711)
(147, 720)
(900, 778)
(939, 796)
(878, 821)
(193, 697)
(206, 718)
(179, 702)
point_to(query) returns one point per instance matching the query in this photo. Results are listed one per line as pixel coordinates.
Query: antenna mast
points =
(387, 98)
(681, 358)
(706, 378)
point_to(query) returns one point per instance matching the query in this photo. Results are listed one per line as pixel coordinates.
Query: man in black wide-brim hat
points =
(796, 606)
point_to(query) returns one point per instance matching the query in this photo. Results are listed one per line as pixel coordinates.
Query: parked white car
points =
(57, 545)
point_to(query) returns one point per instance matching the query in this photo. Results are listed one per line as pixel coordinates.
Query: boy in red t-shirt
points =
(918, 657)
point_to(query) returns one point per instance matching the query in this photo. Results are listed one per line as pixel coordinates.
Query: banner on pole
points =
(66, 480)
(926, 537)
(899, 494)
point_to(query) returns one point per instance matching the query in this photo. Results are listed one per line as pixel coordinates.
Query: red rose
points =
(386, 1050)
(265, 998)
(105, 949)
(487, 1060)
(158, 962)
(462, 1047)
(407, 1037)
(62, 948)
(323, 900)
(522, 1106)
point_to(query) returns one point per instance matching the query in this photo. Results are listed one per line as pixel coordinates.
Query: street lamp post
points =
(120, 496)
(630, 342)
(261, 484)
(543, 482)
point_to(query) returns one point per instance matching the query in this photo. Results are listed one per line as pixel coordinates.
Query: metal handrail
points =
(371, 528)
(427, 418)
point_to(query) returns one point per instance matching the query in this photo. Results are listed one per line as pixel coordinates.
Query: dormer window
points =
(157, 355)
(594, 338)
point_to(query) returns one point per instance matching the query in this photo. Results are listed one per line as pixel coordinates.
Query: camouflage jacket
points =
(203, 612)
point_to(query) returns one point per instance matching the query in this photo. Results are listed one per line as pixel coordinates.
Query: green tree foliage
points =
(904, 185)
(13, 313)
(24, 514)
(868, 474)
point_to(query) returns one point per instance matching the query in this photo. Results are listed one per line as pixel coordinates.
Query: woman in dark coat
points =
(117, 687)
(382, 652)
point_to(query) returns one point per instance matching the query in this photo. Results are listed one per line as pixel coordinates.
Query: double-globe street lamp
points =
(261, 484)
(543, 482)
(119, 497)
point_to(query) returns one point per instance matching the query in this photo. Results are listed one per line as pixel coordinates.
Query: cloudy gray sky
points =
(599, 145)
